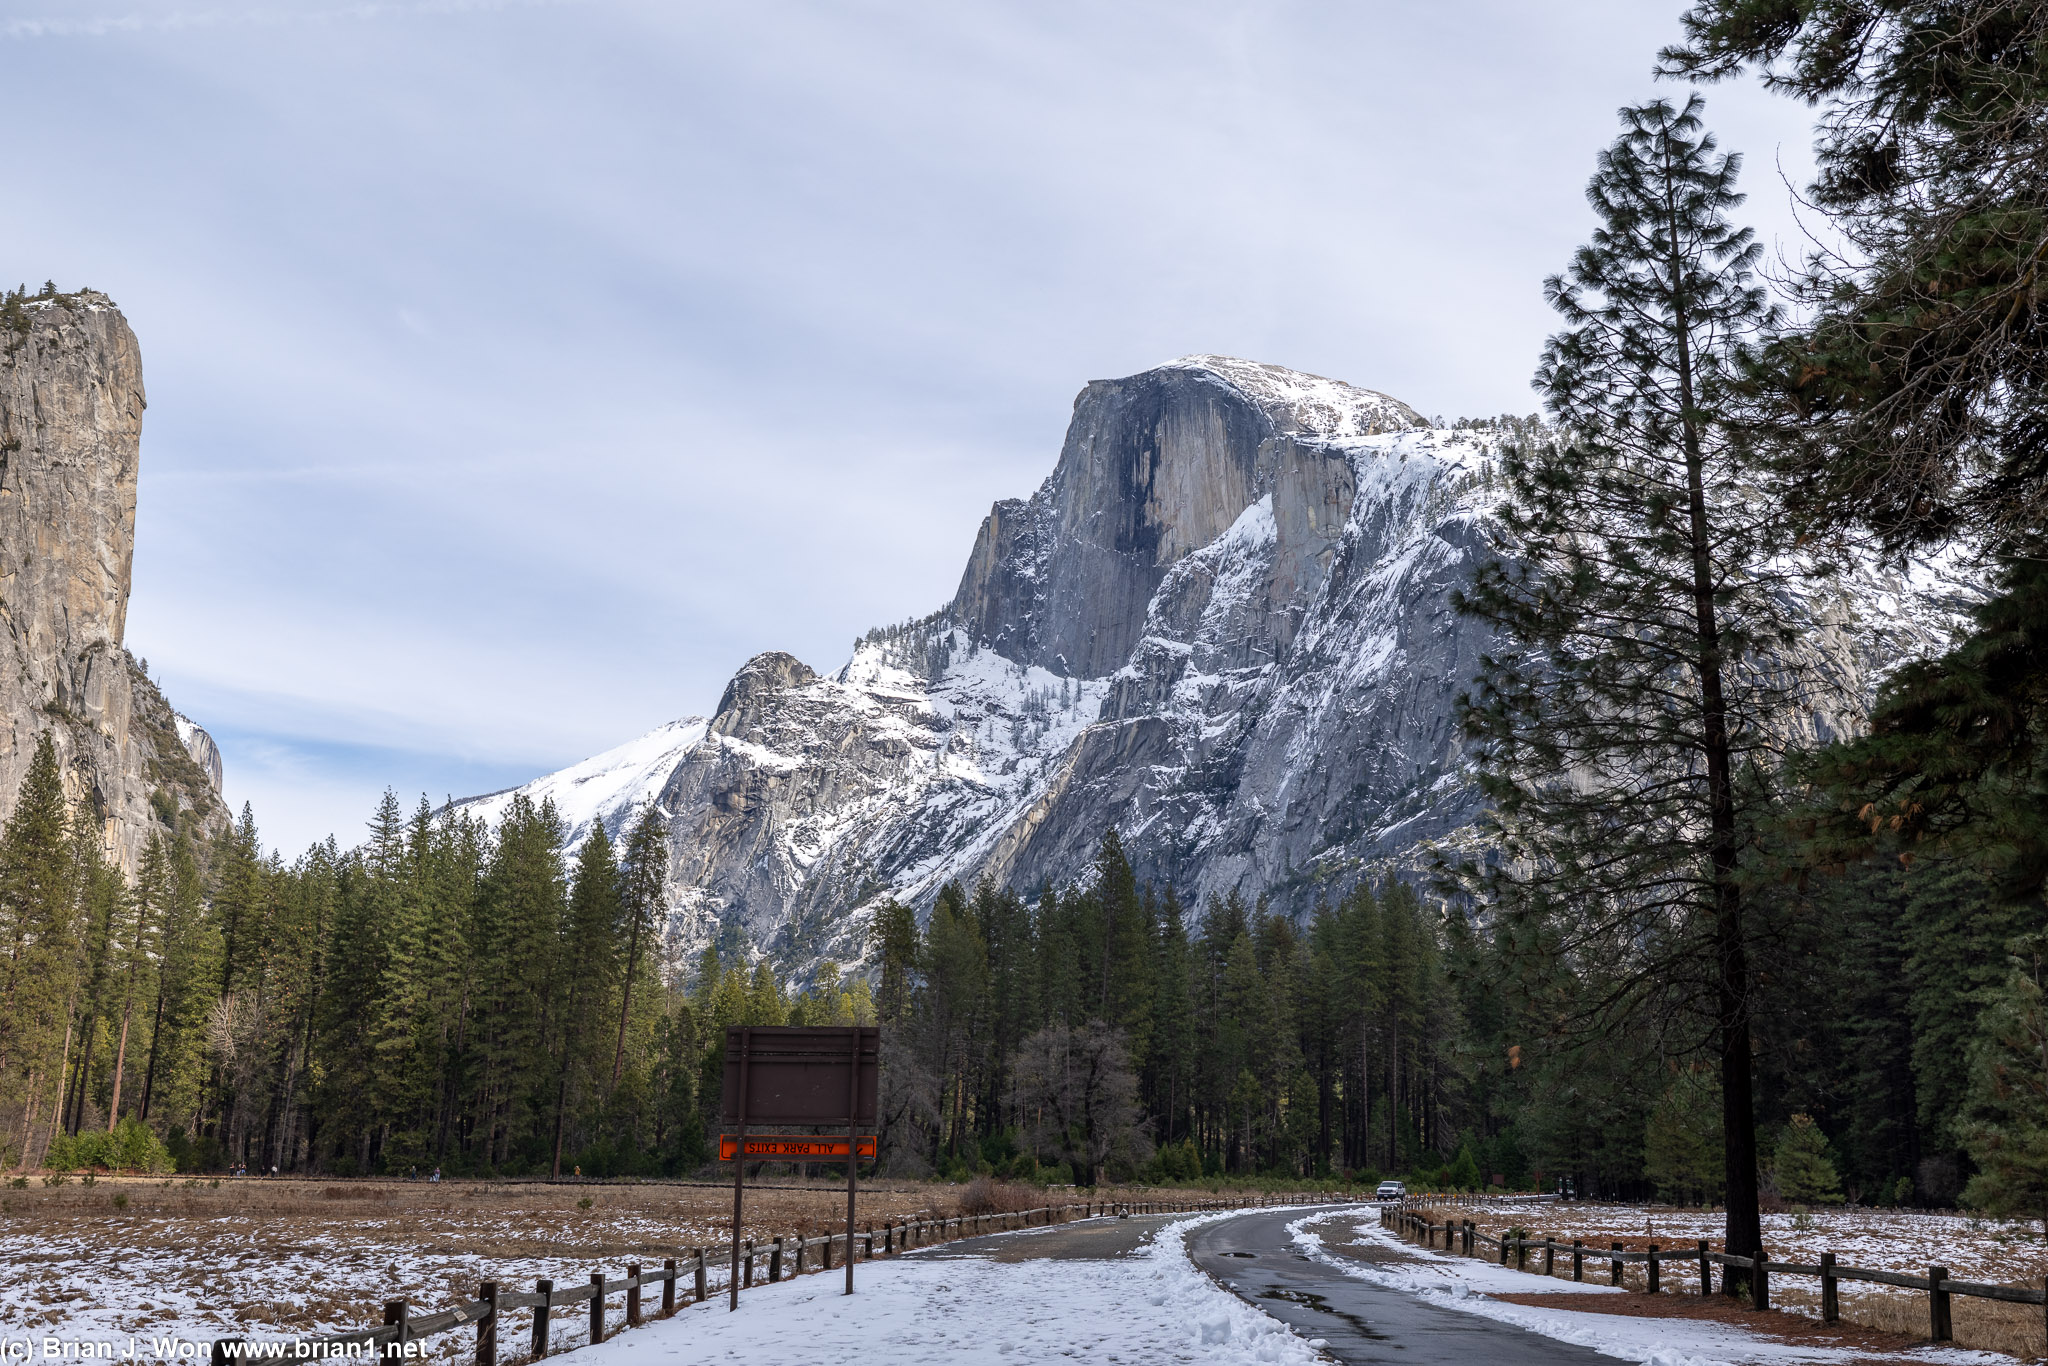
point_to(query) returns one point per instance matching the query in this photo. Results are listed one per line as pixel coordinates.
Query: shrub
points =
(1179, 1161)
(133, 1147)
(120, 1200)
(985, 1195)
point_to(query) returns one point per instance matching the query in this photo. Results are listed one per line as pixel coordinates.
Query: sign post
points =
(818, 1076)
(852, 1142)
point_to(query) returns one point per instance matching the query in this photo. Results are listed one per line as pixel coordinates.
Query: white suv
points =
(1391, 1190)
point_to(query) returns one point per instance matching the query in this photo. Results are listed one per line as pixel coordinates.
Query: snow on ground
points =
(1466, 1284)
(273, 1261)
(1906, 1241)
(1153, 1307)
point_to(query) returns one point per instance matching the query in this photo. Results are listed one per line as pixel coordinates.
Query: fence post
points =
(487, 1326)
(1937, 1305)
(668, 1287)
(1830, 1297)
(1578, 1259)
(699, 1287)
(1504, 1245)
(544, 1288)
(1467, 1240)
(747, 1264)
(800, 1255)
(1652, 1267)
(226, 1350)
(1706, 1270)
(1759, 1282)
(826, 1254)
(394, 1312)
(632, 1294)
(1549, 1254)
(1614, 1269)
(597, 1306)
(1522, 1253)
(775, 1261)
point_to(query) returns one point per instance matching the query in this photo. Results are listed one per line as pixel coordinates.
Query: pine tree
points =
(102, 909)
(2008, 1130)
(138, 952)
(237, 900)
(38, 951)
(590, 970)
(1173, 1024)
(175, 1072)
(1682, 1154)
(1802, 1167)
(1636, 694)
(953, 1007)
(641, 878)
(1916, 387)
(892, 933)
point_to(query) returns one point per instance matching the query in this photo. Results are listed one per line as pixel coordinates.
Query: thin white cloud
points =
(274, 16)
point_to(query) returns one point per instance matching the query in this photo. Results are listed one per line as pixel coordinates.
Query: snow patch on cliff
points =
(608, 788)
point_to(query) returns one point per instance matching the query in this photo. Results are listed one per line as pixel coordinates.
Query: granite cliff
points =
(71, 404)
(1222, 624)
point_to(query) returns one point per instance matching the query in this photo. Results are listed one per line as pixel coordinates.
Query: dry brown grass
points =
(204, 1259)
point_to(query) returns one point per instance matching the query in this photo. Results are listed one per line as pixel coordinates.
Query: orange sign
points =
(785, 1148)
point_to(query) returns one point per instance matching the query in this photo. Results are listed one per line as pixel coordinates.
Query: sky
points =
(518, 371)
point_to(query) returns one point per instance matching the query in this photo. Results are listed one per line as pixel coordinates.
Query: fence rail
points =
(783, 1257)
(1463, 1237)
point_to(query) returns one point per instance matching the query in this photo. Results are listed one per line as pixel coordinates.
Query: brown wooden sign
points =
(793, 1148)
(798, 1074)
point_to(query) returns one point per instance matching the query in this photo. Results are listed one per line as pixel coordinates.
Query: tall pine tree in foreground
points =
(1633, 698)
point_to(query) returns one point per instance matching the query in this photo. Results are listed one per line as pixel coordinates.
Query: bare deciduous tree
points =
(1076, 1084)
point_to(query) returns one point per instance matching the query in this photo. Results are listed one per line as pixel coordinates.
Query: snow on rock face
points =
(609, 789)
(1222, 625)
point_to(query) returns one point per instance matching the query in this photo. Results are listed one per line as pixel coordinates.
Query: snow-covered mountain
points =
(1222, 624)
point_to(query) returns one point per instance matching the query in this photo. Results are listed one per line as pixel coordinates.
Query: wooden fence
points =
(787, 1256)
(1939, 1286)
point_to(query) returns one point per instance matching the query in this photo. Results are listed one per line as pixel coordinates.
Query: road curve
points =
(1254, 1256)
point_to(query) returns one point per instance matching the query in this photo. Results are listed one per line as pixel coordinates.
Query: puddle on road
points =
(1240, 1254)
(1308, 1299)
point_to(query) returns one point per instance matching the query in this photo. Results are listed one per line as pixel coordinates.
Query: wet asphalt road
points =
(1253, 1256)
(1360, 1322)
(1089, 1240)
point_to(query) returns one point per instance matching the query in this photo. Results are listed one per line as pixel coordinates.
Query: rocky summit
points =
(1223, 625)
(71, 404)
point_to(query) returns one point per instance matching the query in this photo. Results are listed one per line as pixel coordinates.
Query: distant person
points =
(436, 1176)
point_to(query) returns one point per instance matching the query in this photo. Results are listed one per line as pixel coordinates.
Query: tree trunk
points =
(561, 1103)
(120, 1061)
(1744, 1231)
(156, 1034)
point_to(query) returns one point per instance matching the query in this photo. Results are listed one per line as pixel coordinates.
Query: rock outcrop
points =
(71, 403)
(1223, 625)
